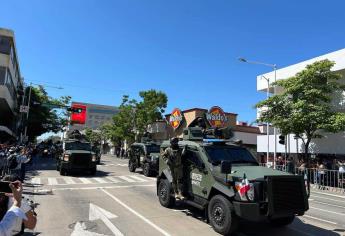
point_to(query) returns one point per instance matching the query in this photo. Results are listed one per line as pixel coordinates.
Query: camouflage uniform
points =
(173, 158)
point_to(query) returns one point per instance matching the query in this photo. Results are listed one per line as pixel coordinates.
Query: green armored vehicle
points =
(144, 155)
(226, 181)
(76, 156)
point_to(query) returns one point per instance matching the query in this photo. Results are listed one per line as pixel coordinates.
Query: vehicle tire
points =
(131, 166)
(93, 171)
(147, 170)
(280, 222)
(221, 217)
(165, 194)
(63, 171)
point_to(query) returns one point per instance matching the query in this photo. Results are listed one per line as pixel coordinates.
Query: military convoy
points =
(76, 155)
(226, 181)
(144, 155)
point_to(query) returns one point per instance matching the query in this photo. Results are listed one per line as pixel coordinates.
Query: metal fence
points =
(323, 179)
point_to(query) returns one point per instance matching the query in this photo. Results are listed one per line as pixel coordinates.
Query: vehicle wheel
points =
(93, 171)
(63, 171)
(131, 166)
(220, 215)
(165, 194)
(147, 170)
(280, 222)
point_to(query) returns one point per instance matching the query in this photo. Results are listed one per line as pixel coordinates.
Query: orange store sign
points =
(175, 118)
(216, 117)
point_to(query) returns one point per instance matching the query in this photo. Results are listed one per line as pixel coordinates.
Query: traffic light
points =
(75, 109)
(282, 139)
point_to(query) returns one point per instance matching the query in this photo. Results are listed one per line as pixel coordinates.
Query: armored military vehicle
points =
(76, 155)
(144, 155)
(226, 181)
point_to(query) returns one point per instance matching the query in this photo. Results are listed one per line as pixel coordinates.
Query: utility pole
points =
(27, 114)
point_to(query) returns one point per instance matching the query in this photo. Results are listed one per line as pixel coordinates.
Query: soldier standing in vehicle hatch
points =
(173, 157)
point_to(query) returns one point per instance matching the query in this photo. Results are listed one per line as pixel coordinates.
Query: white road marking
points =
(52, 181)
(319, 209)
(113, 180)
(69, 180)
(85, 180)
(136, 213)
(96, 213)
(100, 180)
(36, 181)
(342, 201)
(80, 230)
(93, 188)
(138, 178)
(126, 179)
(315, 218)
(327, 204)
(328, 194)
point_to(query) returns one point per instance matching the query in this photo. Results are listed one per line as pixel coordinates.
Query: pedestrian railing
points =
(321, 179)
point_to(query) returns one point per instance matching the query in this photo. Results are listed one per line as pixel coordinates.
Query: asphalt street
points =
(117, 202)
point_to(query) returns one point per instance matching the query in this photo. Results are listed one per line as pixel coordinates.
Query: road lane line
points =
(138, 178)
(315, 218)
(100, 180)
(126, 179)
(319, 209)
(93, 188)
(342, 201)
(328, 194)
(136, 213)
(52, 181)
(113, 180)
(323, 203)
(85, 181)
(36, 181)
(69, 180)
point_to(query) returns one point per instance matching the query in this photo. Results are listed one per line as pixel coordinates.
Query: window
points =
(217, 154)
(5, 45)
(2, 75)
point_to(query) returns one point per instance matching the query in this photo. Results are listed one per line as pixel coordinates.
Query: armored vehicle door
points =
(197, 175)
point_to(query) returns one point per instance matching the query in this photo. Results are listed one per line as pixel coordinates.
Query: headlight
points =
(245, 190)
(66, 157)
(93, 157)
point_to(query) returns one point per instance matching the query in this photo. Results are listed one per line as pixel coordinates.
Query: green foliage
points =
(134, 117)
(43, 116)
(94, 137)
(308, 105)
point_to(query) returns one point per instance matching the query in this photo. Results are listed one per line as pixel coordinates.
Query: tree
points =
(95, 137)
(133, 118)
(307, 107)
(45, 115)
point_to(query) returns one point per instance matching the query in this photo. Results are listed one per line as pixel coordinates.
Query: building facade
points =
(331, 144)
(11, 87)
(163, 130)
(96, 116)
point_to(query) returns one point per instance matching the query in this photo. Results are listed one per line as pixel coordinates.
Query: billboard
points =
(78, 117)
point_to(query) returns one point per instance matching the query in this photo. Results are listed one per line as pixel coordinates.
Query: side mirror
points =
(225, 167)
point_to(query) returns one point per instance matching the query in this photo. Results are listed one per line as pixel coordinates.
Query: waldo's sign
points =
(175, 118)
(216, 117)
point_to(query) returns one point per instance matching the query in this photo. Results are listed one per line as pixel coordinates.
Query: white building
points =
(331, 144)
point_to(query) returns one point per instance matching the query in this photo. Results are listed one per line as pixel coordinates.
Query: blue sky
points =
(100, 50)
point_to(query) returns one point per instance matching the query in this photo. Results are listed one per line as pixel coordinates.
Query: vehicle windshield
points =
(152, 149)
(78, 146)
(217, 154)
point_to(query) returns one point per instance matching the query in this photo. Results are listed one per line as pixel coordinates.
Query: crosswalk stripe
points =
(100, 180)
(69, 180)
(113, 180)
(126, 179)
(36, 181)
(85, 180)
(52, 181)
(138, 178)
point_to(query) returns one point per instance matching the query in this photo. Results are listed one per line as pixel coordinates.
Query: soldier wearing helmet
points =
(173, 157)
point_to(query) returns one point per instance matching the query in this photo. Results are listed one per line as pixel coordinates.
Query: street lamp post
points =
(267, 123)
(274, 66)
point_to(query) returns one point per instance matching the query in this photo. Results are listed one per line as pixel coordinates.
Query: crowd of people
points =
(16, 211)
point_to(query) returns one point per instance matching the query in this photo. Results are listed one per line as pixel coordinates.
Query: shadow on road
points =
(297, 228)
